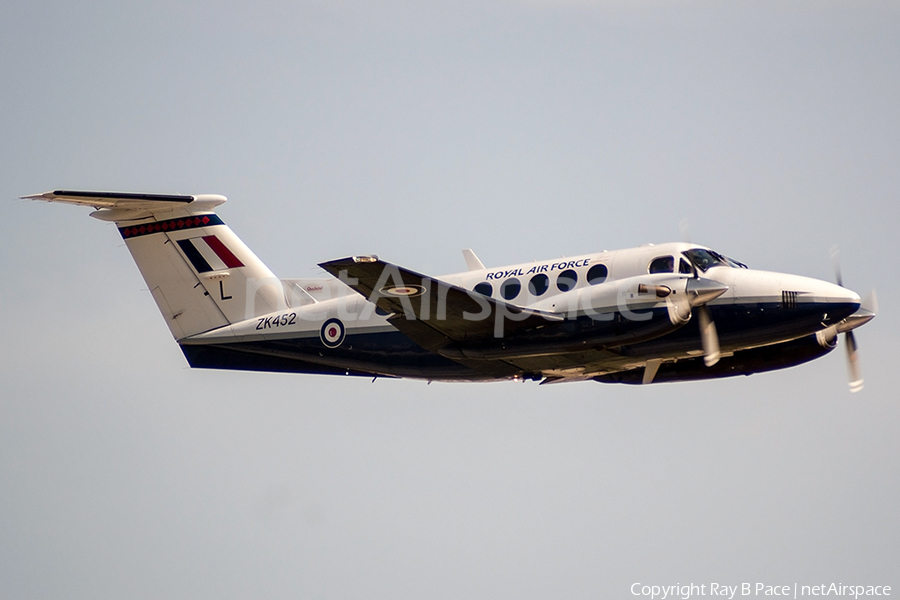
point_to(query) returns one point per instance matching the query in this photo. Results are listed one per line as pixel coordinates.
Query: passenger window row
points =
(540, 283)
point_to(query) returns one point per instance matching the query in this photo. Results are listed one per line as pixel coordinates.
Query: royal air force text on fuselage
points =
(544, 268)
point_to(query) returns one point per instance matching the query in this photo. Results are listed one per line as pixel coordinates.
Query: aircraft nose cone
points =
(700, 291)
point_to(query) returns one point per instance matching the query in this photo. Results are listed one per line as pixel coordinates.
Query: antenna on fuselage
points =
(473, 263)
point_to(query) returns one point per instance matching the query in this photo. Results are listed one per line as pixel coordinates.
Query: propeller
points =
(700, 291)
(685, 227)
(854, 376)
(709, 338)
(836, 264)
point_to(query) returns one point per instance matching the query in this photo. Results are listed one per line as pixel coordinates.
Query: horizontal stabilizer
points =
(113, 199)
(128, 206)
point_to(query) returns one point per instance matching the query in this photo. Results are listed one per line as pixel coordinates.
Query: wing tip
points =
(42, 196)
(348, 261)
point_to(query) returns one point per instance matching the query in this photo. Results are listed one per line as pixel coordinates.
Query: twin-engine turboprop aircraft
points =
(670, 312)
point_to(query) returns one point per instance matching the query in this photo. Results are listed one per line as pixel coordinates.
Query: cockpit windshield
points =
(705, 259)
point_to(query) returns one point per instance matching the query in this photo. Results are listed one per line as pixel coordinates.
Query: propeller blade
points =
(708, 337)
(856, 380)
(870, 302)
(836, 263)
(685, 227)
(866, 313)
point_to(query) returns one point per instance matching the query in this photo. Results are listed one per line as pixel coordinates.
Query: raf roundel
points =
(332, 333)
(408, 291)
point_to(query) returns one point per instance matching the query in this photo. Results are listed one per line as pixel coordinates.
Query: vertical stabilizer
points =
(200, 273)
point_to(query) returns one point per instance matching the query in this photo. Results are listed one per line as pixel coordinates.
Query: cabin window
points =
(566, 280)
(662, 264)
(510, 288)
(597, 274)
(707, 259)
(684, 267)
(538, 284)
(484, 288)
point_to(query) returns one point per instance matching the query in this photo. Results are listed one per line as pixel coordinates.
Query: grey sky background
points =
(524, 130)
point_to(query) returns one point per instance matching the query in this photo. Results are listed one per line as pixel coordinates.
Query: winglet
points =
(472, 261)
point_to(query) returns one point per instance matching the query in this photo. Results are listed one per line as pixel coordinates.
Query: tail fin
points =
(200, 273)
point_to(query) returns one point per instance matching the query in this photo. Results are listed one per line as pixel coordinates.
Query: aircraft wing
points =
(434, 313)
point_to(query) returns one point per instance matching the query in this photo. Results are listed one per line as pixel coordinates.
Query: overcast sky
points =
(522, 129)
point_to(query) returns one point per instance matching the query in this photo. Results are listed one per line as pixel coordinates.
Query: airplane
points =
(656, 313)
